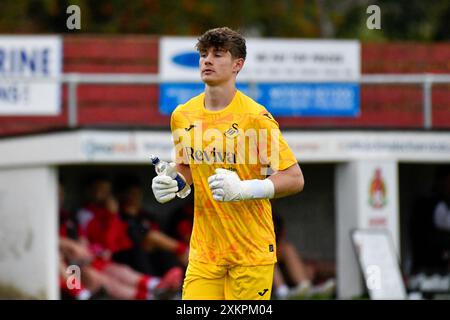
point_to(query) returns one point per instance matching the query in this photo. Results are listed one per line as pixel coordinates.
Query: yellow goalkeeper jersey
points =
(245, 138)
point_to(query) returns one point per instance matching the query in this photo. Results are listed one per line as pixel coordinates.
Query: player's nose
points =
(208, 58)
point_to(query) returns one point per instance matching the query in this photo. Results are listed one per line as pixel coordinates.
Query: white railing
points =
(72, 80)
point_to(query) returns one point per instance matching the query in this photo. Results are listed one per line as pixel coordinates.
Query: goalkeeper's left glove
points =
(227, 186)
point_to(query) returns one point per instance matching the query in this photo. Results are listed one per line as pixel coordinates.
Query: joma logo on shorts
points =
(263, 292)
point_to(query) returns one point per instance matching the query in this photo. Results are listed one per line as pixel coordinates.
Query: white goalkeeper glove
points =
(226, 185)
(165, 188)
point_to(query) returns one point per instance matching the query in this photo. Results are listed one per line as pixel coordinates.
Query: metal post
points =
(73, 104)
(427, 109)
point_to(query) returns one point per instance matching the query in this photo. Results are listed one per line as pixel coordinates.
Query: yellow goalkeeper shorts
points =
(211, 282)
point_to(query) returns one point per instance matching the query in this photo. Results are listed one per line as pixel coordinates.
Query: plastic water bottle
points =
(163, 168)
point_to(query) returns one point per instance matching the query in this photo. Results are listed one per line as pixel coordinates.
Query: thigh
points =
(249, 283)
(123, 273)
(204, 282)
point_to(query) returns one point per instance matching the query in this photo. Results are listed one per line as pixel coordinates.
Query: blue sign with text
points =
(281, 99)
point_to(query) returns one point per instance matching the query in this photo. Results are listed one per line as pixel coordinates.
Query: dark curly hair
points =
(223, 38)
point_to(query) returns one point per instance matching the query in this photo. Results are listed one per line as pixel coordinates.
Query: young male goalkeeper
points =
(224, 143)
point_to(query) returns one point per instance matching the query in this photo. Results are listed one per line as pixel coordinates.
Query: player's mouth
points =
(207, 71)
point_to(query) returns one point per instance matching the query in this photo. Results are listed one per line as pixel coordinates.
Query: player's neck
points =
(219, 97)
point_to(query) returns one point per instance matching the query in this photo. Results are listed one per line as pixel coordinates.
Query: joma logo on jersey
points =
(211, 156)
(232, 132)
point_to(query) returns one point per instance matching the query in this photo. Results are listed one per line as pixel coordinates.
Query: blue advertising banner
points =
(310, 99)
(173, 94)
(293, 99)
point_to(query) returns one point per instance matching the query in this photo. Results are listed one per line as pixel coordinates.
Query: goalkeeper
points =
(225, 145)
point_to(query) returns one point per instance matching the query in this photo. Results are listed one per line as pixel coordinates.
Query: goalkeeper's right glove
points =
(164, 188)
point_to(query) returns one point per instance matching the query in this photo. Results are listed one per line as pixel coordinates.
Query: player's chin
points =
(210, 80)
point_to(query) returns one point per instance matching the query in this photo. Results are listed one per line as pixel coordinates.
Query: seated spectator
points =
(101, 234)
(71, 252)
(107, 234)
(430, 227)
(181, 222)
(97, 190)
(293, 277)
(153, 251)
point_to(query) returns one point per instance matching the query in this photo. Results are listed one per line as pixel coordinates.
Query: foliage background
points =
(413, 20)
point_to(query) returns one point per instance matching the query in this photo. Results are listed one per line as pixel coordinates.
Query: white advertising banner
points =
(269, 60)
(379, 264)
(23, 58)
(308, 147)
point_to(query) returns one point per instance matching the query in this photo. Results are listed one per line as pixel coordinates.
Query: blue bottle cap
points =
(154, 159)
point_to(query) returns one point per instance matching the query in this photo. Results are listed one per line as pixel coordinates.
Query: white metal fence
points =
(73, 80)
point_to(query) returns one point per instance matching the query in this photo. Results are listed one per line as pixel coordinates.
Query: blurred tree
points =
(401, 20)
(416, 20)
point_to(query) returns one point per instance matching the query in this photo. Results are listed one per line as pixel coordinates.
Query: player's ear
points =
(237, 65)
